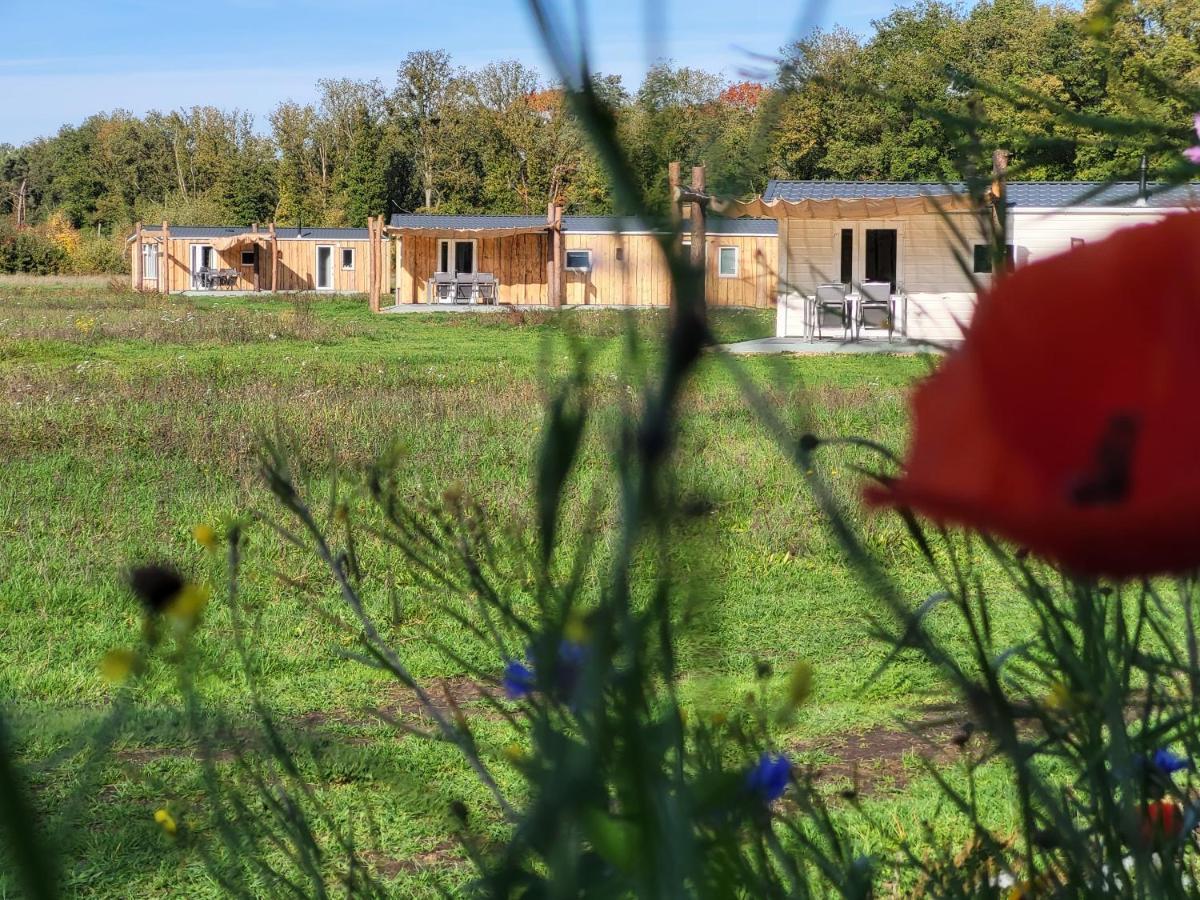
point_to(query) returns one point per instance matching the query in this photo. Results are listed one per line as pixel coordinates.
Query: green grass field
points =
(125, 420)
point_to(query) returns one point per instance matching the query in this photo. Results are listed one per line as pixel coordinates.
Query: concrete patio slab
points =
(403, 308)
(800, 345)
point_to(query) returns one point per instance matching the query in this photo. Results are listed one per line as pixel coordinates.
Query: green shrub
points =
(26, 251)
(99, 256)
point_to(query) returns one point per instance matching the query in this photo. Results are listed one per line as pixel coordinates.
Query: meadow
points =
(127, 420)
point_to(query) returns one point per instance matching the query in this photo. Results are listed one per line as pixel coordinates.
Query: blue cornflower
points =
(572, 657)
(1167, 763)
(769, 777)
(518, 680)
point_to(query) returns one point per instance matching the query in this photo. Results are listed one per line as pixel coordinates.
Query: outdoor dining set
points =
(210, 278)
(835, 310)
(464, 287)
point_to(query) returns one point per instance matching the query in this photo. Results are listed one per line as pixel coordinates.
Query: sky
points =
(77, 57)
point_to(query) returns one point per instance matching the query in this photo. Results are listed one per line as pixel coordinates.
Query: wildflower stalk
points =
(278, 479)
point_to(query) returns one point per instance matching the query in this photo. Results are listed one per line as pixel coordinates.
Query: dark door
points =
(464, 257)
(881, 255)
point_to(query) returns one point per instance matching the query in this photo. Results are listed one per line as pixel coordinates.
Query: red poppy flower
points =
(1069, 420)
(1161, 820)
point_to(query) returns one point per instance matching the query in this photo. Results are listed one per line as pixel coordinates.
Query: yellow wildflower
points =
(185, 609)
(167, 821)
(800, 684)
(206, 537)
(575, 628)
(1061, 698)
(117, 665)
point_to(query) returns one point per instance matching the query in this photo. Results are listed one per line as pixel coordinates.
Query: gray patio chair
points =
(876, 309)
(441, 287)
(464, 289)
(832, 309)
(485, 287)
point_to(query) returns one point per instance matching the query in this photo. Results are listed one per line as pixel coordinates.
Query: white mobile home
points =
(927, 239)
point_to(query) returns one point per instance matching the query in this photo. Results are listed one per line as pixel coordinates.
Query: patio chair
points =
(464, 289)
(441, 287)
(832, 310)
(876, 309)
(485, 288)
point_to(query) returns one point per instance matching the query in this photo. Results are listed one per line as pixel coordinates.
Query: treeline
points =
(931, 85)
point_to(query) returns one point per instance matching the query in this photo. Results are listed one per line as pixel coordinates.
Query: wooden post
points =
(372, 264)
(999, 170)
(699, 213)
(257, 260)
(138, 273)
(399, 257)
(676, 216)
(274, 259)
(377, 275)
(556, 269)
(164, 267)
(381, 267)
(999, 211)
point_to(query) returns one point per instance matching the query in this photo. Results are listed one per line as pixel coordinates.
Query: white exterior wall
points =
(940, 294)
(1038, 234)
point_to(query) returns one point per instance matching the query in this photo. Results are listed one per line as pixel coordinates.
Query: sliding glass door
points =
(324, 268)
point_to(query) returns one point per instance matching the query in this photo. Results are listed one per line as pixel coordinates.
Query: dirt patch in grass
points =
(448, 694)
(883, 759)
(442, 855)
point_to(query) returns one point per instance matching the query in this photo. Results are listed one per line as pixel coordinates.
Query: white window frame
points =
(353, 258)
(450, 244)
(196, 253)
(243, 258)
(150, 262)
(570, 268)
(858, 262)
(737, 261)
(332, 286)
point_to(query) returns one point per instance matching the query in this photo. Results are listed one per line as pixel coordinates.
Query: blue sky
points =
(76, 57)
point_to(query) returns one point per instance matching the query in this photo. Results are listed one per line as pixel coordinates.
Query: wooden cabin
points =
(176, 259)
(603, 260)
(928, 239)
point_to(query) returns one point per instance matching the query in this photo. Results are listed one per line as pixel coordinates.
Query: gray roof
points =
(1099, 193)
(856, 190)
(1049, 194)
(603, 224)
(284, 234)
(470, 222)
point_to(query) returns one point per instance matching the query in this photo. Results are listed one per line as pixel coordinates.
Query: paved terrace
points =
(800, 345)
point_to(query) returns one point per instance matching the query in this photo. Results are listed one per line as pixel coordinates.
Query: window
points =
(847, 255)
(579, 261)
(347, 257)
(248, 257)
(1077, 242)
(456, 257)
(620, 254)
(150, 261)
(727, 262)
(983, 258)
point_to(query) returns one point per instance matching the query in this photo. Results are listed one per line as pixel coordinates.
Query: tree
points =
(427, 101)
(362, 183)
